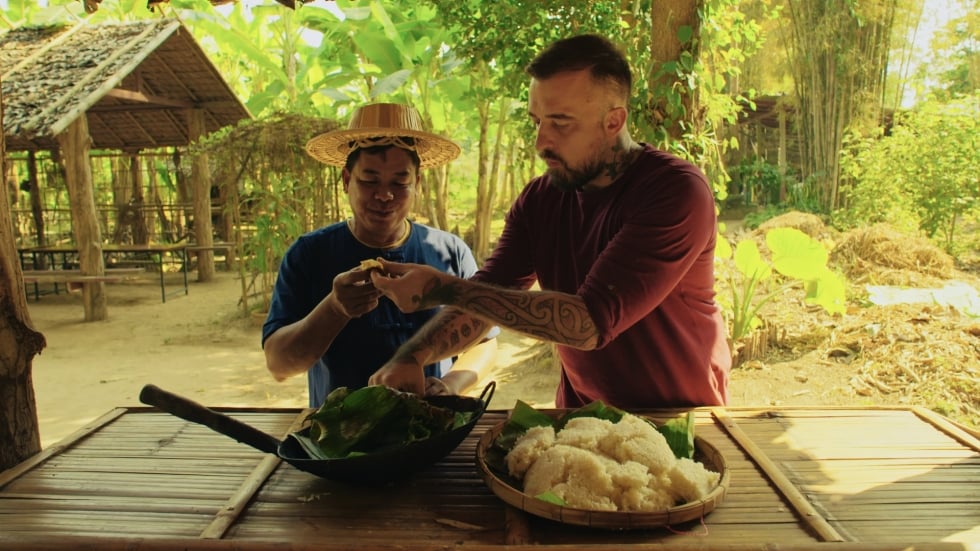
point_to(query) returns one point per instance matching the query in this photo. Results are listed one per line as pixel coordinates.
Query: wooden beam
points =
(100, 108)
(130, 95)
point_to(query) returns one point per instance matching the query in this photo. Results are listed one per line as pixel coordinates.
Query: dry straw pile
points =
(923, 353)
(881, 255)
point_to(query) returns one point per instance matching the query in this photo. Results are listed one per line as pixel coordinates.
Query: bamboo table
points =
(801, 478)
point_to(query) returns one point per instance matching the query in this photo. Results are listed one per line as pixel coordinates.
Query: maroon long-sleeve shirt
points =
(640, 253)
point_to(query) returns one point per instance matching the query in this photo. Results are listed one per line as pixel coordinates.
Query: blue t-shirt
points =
(366, 343)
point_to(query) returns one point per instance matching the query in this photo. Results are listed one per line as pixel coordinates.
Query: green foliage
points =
(711, 60)
(922, 175)
(276, 227)
(374, 419)
(797, 257)
(757, 181)
(28, 12)
(955, 55)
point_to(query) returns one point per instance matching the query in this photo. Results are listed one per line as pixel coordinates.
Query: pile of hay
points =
(882, 255)
(810, 224)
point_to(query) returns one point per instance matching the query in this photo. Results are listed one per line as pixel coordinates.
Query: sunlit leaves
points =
(797, 257)
(391, 83)
(924, 171)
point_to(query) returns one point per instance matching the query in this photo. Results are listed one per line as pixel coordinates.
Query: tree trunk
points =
(121, 195)
(20, 436)
(229, 203)
(782, 155)
(141, 234)
(481, 248)
(201, 185)
(667, 17)
(167, 232)
(487, 201)
(184, 195)
(37, 205)
(74, 143)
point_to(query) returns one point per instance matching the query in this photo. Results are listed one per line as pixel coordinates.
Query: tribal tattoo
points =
(553, 317)
(436, 293)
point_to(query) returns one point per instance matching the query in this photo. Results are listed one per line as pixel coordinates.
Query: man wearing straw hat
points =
(326, 318)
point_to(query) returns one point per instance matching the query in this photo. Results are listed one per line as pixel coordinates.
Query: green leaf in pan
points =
(375, 418)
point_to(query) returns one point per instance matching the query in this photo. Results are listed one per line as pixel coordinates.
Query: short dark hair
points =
(605, 61)
(355, 153)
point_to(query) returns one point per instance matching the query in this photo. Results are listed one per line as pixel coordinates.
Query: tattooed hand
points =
(414, 287)
(401, 373)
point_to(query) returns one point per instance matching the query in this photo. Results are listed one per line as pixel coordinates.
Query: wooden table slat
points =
(886, 478)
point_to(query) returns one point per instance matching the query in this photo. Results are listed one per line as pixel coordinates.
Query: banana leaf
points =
(375, 418)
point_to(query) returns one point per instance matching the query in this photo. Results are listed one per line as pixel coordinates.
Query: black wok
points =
(370, 468)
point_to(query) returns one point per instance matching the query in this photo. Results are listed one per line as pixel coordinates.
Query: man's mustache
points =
(549, 155)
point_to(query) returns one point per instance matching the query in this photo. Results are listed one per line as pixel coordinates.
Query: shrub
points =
(923, 174)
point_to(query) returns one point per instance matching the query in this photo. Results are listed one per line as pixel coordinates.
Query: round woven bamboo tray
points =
(704, 452)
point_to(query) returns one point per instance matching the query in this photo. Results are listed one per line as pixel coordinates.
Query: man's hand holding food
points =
(353, 293)
(403, 373)
(412, 287)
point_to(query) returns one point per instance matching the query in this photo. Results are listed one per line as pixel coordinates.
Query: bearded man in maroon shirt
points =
(620, 237)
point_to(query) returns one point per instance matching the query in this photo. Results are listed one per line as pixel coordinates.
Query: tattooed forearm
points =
(547, 315)
(436, 292)
(455, 332)
(554, 317)
(448, 334)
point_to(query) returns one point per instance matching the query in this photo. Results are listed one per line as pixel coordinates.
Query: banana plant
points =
(794, 255)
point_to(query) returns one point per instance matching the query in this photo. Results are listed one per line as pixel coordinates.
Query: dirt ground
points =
(199, 346)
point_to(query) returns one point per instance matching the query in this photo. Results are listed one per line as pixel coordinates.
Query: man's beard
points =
(567, 178)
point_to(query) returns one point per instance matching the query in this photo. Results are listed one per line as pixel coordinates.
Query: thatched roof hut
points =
(126, 86)
(134, 81)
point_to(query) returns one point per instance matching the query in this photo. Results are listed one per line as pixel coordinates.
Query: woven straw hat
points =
(383, 124)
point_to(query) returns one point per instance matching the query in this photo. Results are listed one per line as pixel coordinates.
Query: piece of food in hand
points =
(371, 264)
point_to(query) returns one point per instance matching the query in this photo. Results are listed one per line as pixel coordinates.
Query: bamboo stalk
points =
(16, 471)
(239, 500)
(102, 543)
(963, 435)
(803, 507)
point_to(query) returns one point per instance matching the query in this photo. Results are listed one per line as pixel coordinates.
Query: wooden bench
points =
(111, 275)
(222, 247)
(216, 246)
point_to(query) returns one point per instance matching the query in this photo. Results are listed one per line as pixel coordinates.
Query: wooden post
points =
(121, 188)
(201, 185)
(37, 204)
(20, 436)
(75, 145)
(141, 234)
(782, 152)
(230, 219)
